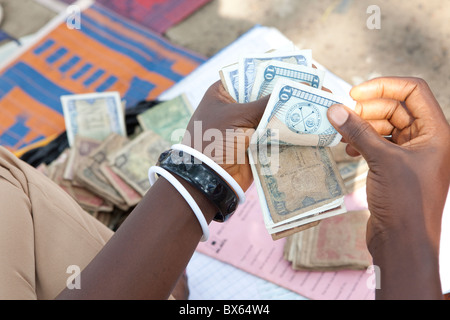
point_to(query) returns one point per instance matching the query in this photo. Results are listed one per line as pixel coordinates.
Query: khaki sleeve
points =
(17, 272)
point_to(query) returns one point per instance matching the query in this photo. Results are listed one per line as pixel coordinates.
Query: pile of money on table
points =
(337, 243)
(296, 176)
(105, 170)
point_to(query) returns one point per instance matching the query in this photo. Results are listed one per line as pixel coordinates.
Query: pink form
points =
(244, 242)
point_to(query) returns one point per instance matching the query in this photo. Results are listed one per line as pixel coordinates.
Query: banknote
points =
(305, 188)
(340, 153)
(82, 148)
(296, 114)
(248, 66)
(90, 175)
(86, 199)
(230, 79)
(268, 74)
(353, 170)
(167, 117)
(354, 174)
(94, 115)
(132, 162)
(131, 196)
(337, 243)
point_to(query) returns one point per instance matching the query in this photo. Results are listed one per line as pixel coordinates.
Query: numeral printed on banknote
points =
(270, 72)
(248, 66)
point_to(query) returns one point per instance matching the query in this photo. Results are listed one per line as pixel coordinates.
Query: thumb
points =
(357, 132)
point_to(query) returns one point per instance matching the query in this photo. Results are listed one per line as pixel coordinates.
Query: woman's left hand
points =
(221, 129)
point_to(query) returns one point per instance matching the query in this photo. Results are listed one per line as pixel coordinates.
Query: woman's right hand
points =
(409, 175)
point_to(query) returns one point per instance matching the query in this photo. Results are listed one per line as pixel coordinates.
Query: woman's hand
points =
(221, 129)
(409, 176)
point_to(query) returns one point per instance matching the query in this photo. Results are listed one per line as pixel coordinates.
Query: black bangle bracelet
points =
(204, 179)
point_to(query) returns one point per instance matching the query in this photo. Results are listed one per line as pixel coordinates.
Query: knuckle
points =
(223, 94)
(420, 83)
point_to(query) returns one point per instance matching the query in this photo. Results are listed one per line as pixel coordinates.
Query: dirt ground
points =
(414, 38)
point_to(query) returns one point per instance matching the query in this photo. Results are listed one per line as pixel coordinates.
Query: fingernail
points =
(338, 114)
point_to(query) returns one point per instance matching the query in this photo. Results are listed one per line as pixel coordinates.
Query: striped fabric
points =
(108, 53)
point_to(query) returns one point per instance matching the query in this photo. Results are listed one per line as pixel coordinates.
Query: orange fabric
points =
(108, 53)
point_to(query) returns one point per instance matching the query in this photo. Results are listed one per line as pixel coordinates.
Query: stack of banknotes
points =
(105, 170)
(335, 244)
(297, 179)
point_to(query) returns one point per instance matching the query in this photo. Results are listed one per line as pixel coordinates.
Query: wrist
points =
(207, 207)
(227, 177)
(408, 266)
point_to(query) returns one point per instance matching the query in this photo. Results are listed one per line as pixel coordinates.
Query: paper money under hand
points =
(94, 115)
(354, 174)
(337, 243)
(307, 179)
(296, 177)
(305, 188)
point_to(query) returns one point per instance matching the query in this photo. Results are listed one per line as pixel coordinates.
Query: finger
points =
(222, 93)
(327, 90)
(252, 112)
(217, 92)
(352, 152)
(415, 92)
(357, 132)
(382, 127)
(385, 109)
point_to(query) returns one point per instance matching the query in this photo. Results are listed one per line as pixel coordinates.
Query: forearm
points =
(408, 267)
(150, 250)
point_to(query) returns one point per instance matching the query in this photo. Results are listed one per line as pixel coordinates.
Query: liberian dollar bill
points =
(81, 149)
(132, 162)
(343, 240)
(296, 114)
(167, 117)
(94, 115)
(268, 74)
(303, 189)
(89, 173)
(248, 66)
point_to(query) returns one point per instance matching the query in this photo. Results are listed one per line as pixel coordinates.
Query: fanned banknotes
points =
(268, 74)
(248, 67)
(297, 179)
(230, 80)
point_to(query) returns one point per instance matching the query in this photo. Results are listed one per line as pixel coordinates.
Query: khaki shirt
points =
(43, 233)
